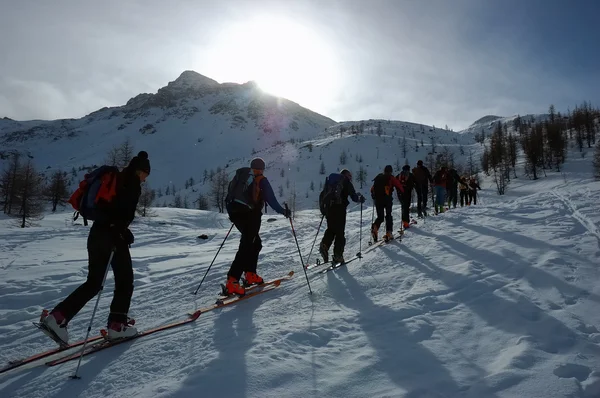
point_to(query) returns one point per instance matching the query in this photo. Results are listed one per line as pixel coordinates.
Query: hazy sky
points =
(428, 61)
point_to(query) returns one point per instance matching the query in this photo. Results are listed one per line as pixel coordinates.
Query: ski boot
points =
(252, 278)
(121, 330)
(324, 251)
(233, 287)
(338, 259)
(374, 231)
(54, 325)
(388, 236)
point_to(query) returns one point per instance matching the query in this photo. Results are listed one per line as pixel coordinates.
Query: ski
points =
(338, 265)
(20, 362)
(253, 290)
(104, 343)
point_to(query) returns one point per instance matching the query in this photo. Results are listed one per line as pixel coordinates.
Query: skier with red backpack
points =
(247, 193)
(407, 180)
(109, 198)
(333, 202)
(381, 192)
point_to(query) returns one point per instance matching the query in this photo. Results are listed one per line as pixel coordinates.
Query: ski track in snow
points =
(493, 300)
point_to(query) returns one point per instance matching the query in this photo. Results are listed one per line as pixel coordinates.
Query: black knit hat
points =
(257, 163)
(406, 167)
(140, 162)
(388, 169)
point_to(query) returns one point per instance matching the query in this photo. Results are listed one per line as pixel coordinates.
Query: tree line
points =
(543, 144)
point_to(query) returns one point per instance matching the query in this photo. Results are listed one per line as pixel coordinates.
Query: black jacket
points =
(122, 209)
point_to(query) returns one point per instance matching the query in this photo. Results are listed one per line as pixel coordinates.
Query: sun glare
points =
(285, 58)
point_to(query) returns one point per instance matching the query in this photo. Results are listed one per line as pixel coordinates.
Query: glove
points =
(373, 196)
(128, 236)
(361, 199)
(287, 213)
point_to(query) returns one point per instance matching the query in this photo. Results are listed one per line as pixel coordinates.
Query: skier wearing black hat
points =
(407, 179)
(333, 202)
(246, 213)
(422, 180)
(381, 192)
(110, 232)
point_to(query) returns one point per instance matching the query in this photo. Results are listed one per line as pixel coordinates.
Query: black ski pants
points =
(246, 259)
(452, 195)
(422, 191)
(336, 229)
(100, 243)
(384, 205)
(405, 201)
(472, 196)
(464, 193)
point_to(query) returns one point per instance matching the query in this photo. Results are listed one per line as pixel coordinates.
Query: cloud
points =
(434, 62)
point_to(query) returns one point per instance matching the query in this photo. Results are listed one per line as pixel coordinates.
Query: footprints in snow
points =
(580, 372)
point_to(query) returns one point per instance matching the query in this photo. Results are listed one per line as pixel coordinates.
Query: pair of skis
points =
(98, 343)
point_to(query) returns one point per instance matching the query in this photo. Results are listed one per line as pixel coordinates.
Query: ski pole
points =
(315, 241)
(359, 254)
(213, 261)
(87, 335)
(298, 246)
(372, 218)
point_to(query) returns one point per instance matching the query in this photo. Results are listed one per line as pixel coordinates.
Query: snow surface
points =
(495, 300)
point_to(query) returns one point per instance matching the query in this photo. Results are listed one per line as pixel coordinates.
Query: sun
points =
(285, 58)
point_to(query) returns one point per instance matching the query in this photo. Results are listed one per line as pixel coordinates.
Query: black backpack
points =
(331, 193)
(241, 192)
(381, 186)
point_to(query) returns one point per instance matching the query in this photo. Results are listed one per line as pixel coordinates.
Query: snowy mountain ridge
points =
(195, 126)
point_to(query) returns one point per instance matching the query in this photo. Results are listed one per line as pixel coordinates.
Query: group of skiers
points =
(109, 197)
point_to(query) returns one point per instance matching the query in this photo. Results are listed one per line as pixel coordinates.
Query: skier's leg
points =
(340, 231)
(99, 245)
(389, 219)
(123, 272)
(245, 249)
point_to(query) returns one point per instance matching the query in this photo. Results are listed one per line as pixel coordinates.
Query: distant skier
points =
(120, 193)
(407, 180)
(333, 202)
(452, 187)
(247, 193)
(439, 185)
(464, 191)
(473, 187)
(381, 192)
(422, 181)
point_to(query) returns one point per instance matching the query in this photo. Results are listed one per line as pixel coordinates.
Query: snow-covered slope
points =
(296, 166)
(195, 125)
(192, 124)
(494, 300)
(487, 124)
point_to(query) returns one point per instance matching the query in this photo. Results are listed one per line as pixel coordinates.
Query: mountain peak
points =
(194, 80)
(486, 119)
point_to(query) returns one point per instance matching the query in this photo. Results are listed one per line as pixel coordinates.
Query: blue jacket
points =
(267, 195)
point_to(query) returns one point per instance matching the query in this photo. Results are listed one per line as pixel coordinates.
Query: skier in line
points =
(407, 180)
(439, 185)
(464, 191)
(473, 187)
(109, 231)
(422, 180)
(381, 192)
(247, 219)
(452, 182)
(334, 203)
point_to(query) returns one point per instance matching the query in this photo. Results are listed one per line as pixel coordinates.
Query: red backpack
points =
(96, 191)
